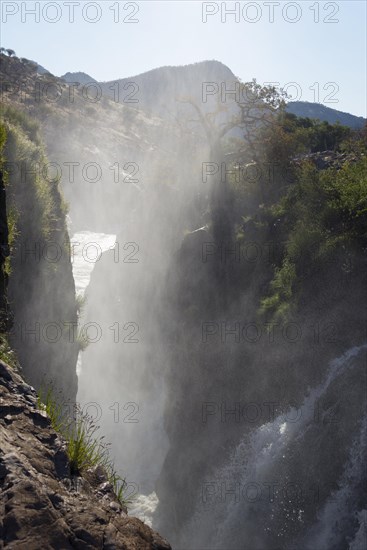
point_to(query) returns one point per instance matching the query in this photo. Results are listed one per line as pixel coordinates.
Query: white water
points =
(224, 511)
(144, 506)
(86, 251)
(338, 509)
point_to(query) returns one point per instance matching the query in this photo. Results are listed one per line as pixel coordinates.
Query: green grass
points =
(6, 353)
(85, 448)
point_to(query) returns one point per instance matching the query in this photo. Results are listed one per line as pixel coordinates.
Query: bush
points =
(323, 218)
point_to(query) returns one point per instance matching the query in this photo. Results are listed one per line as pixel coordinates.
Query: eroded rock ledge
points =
(41, 505)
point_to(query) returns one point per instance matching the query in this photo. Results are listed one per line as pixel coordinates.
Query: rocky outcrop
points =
(41, 505)
(328, 159)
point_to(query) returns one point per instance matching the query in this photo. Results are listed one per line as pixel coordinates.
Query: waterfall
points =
(87, 249)
(338, 514)
(265, 495)
(260, 499)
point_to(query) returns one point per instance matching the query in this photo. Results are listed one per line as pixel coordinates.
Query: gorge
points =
(219, 321)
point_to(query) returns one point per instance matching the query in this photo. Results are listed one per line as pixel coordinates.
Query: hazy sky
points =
(320, 46)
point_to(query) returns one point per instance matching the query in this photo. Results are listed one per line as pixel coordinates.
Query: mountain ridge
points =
(313, 110)
(324, 113)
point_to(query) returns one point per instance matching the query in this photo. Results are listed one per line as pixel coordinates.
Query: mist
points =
(221, 322)
(196, 414)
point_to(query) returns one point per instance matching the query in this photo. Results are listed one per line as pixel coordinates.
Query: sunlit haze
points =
(304, 43)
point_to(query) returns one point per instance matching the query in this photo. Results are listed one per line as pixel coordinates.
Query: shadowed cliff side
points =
(225, 363)
(36, 261)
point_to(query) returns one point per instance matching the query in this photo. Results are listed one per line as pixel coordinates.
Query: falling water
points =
(241, 504)
(240, 501)
(87, 249)
(338, 514)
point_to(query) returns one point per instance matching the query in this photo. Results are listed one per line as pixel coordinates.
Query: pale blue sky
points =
(173, 33)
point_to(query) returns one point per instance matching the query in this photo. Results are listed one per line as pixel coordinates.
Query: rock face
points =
(41, 505)
(40, 292)
(328, 159)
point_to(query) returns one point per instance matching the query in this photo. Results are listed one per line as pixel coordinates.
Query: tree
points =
(254, 108)
(257, 107)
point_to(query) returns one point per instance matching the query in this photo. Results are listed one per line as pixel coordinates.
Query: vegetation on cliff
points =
(310, 205)
(40, 285)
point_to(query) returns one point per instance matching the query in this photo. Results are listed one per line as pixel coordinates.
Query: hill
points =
(80, 77)
(321, 112)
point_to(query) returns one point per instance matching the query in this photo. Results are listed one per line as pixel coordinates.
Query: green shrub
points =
(281, 299)
(323, 218)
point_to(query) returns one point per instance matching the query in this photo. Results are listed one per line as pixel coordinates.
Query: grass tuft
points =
(85, 448)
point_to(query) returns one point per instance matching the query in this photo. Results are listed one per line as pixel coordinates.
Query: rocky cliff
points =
(38, 272)
(41, 504)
